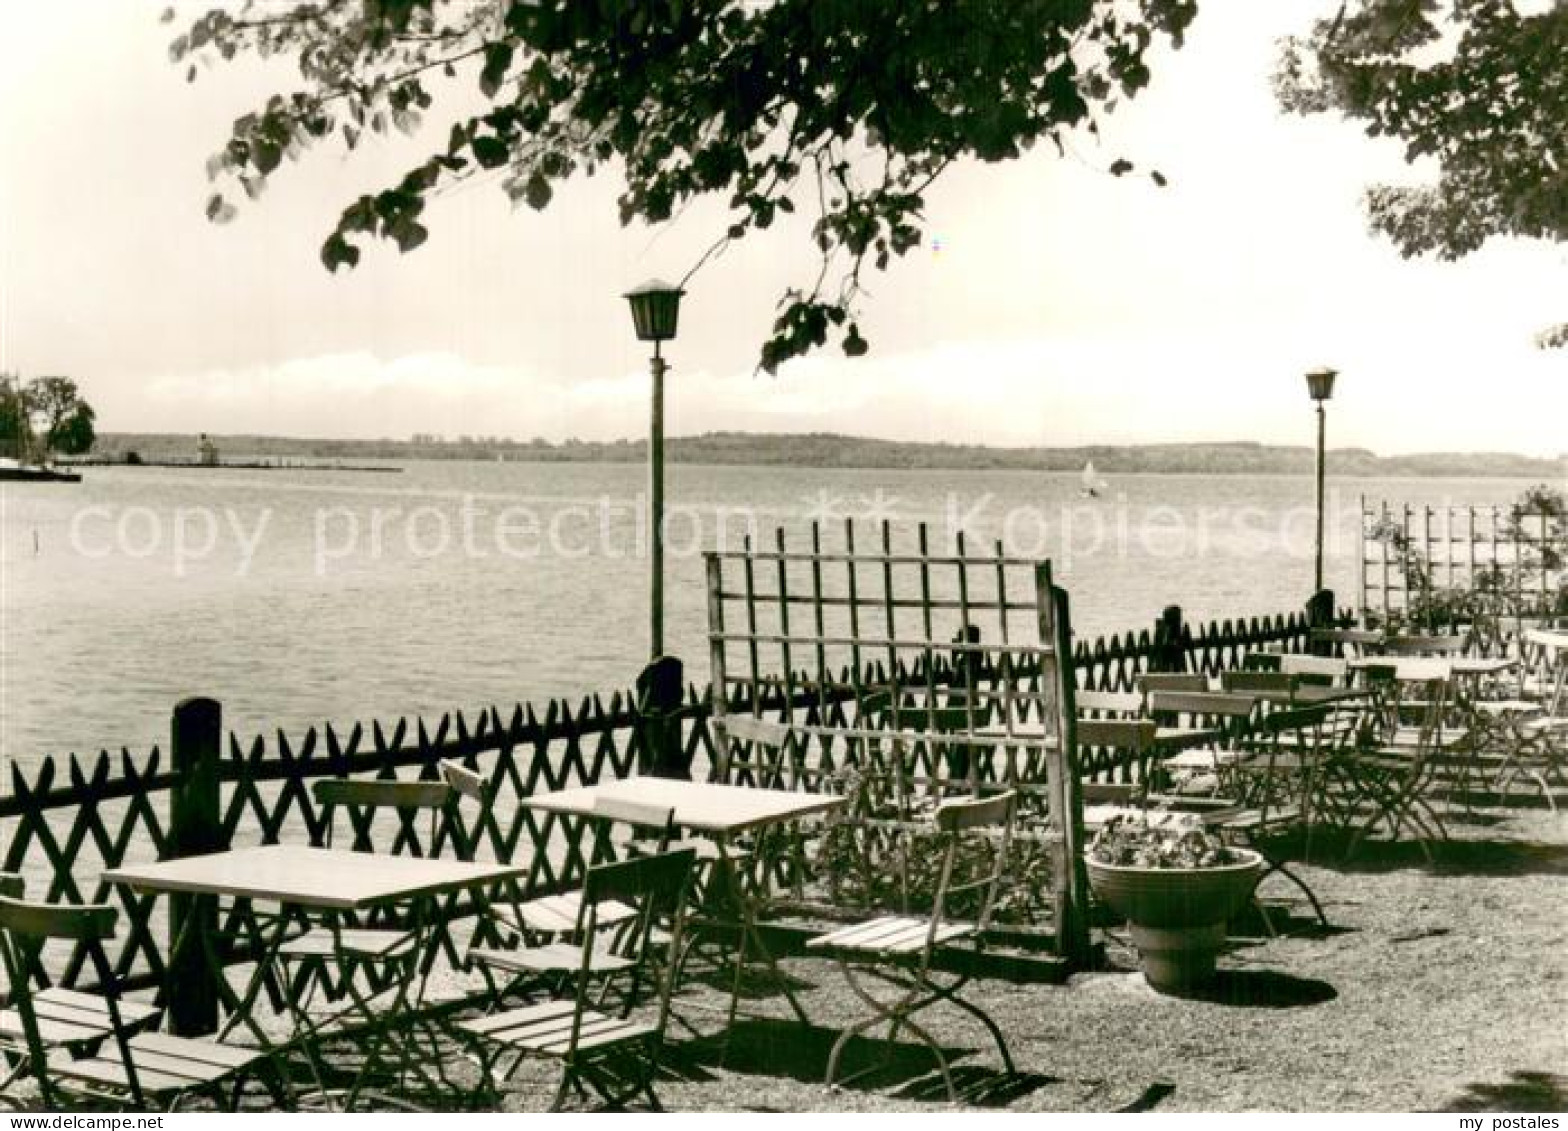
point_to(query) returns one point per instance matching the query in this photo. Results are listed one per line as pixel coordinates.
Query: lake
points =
(297, 598)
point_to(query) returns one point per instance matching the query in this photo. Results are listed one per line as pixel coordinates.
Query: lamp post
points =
(656, 308)
(1320, 386)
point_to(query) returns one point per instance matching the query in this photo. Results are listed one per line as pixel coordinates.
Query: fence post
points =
(1169, 655)
(1320, 614)
(660, 691)
(195, 827)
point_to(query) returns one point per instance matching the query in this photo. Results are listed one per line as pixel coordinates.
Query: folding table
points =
(319, 880)
(720, 812)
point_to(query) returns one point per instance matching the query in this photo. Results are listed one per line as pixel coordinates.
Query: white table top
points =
(1436, 667)
(699, 806)
(326, 878)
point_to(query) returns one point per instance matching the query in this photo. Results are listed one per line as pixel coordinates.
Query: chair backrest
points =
(1108, 703)
(1352, 642)
(748, 728)
(636, 813)
(362, 798)
(989, 819)
(654, 823)
(657, 888)
(41, 921)
(1289, 745)
(1135, 735)
(1413, 644)
(1229, 714)
(1335, 669)
(1294, 720)
(1543, 657)
(381, 794)
(465, 782)
(1245, 681)
(1434, 696)
(1150, 682)
(24, 929)
(661, 878)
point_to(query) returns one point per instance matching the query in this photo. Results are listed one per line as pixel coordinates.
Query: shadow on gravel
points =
(1262, 989)
(1524, 1091)
(1450, 858)
(780, 1048)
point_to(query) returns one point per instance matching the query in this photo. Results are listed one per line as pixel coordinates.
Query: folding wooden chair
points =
(590, 1043)
(548, 926)
(1395, 782)
(1276, 790)
(1530, 729)
(898, 949)
(142, 1068)
(68, 1020)
(1204, 769)
(382, 950)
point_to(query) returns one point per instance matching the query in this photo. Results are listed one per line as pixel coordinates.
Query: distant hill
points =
(827, 449)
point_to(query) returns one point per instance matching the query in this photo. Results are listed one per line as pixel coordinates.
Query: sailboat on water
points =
(1093, 485)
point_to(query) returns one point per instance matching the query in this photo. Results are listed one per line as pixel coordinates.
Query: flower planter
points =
(1177, 915)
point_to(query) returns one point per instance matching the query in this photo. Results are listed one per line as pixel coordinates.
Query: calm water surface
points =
(298, 598)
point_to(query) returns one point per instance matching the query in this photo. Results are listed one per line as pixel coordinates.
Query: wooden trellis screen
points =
(855, 649)
(1452, 547)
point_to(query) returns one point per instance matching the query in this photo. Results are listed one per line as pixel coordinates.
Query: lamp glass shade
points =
(656, 308)
(1320, 383)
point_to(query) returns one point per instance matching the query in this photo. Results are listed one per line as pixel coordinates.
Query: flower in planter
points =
(1174, 844)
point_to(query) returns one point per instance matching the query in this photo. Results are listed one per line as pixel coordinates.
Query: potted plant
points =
(1176, 884)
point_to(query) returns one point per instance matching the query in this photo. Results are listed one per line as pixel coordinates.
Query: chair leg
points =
(936, 1051)
(991, 1027)
(559, 1102)
(1280, 867)
(844, 1038)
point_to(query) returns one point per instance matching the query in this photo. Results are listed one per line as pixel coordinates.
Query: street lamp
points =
(656, 308)
(1320, 387)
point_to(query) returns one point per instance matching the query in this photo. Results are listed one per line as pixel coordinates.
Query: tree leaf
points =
(337, 252)
(498, 60)
(490, 151)
(537, 192)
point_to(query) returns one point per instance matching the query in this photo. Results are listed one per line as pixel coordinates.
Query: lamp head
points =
(1320, 383)
(656, 309)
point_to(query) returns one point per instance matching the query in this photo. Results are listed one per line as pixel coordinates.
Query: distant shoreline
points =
(834, 451)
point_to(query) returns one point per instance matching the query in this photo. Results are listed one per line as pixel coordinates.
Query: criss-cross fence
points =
(64, 821)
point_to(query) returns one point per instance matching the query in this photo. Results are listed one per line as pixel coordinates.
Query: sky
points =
(1051, 303)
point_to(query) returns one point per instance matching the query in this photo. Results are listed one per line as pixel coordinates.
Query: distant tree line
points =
(44, 417)
(826, 449)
